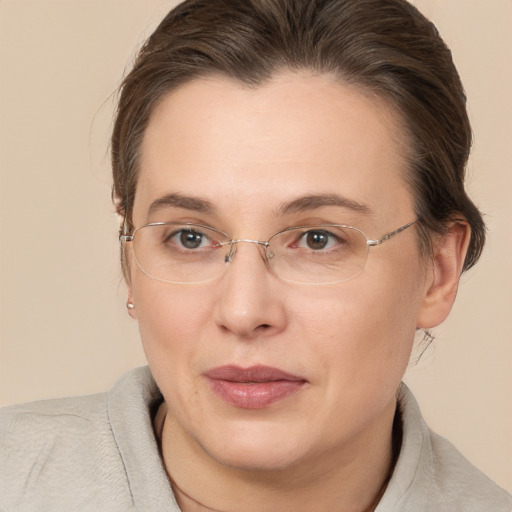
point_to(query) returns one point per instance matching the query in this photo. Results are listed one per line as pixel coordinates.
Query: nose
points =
(251, 302)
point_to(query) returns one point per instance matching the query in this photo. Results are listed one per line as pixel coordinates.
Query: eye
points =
(189, 239)
(319, 240)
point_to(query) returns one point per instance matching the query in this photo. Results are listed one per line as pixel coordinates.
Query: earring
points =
(422, 345)
(130, 305)
(428, 338)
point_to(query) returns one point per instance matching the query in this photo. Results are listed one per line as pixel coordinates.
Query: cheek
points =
(171, 319)
(361, 330)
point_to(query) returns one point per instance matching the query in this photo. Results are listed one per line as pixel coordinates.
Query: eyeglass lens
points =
(185, 253)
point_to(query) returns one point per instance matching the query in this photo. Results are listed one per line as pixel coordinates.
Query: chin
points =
(264, 461)
(253, 449)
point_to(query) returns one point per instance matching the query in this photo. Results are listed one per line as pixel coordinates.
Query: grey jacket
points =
(98, 453)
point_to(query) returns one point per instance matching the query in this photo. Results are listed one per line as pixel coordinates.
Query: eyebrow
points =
(196, 204)
(300, 204)
(311, 202)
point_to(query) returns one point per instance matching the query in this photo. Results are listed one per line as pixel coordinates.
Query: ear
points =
(444, 272)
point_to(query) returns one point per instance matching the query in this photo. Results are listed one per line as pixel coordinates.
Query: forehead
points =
(296, 135)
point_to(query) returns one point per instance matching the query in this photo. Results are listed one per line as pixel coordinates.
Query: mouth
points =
(255, 387)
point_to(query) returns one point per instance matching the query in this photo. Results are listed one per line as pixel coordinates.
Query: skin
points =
(248, 151)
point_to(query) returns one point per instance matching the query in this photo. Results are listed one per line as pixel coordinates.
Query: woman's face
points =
(244, 154)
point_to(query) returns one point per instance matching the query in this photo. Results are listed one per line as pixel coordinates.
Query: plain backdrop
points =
(63, 325)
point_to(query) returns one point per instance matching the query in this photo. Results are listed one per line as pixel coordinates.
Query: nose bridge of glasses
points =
(233, 243)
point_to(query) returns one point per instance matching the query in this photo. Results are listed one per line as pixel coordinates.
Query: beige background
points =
(63, 325)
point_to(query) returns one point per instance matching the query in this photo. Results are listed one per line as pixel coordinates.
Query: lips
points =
(255, 387)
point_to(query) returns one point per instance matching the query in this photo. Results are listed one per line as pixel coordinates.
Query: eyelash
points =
(304, 239)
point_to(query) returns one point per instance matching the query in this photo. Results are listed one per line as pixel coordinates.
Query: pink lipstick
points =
(255, 387)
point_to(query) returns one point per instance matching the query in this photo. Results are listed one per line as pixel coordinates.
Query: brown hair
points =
(386, 47)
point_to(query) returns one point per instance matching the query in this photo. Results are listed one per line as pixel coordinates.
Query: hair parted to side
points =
(385, 47)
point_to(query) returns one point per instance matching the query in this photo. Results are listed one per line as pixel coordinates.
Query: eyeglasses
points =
(192, 253)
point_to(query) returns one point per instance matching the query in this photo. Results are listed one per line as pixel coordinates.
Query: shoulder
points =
(55, 448)
(431, 475)
(455, 480)
(82, 411)
(52, 425)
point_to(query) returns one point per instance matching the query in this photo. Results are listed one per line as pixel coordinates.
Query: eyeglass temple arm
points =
(372, 243)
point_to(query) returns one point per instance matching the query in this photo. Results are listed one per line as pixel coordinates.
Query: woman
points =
(290, 178)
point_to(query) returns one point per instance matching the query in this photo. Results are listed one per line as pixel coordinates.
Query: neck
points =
(352, 478)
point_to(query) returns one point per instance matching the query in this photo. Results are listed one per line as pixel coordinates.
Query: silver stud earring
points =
(130, 305)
